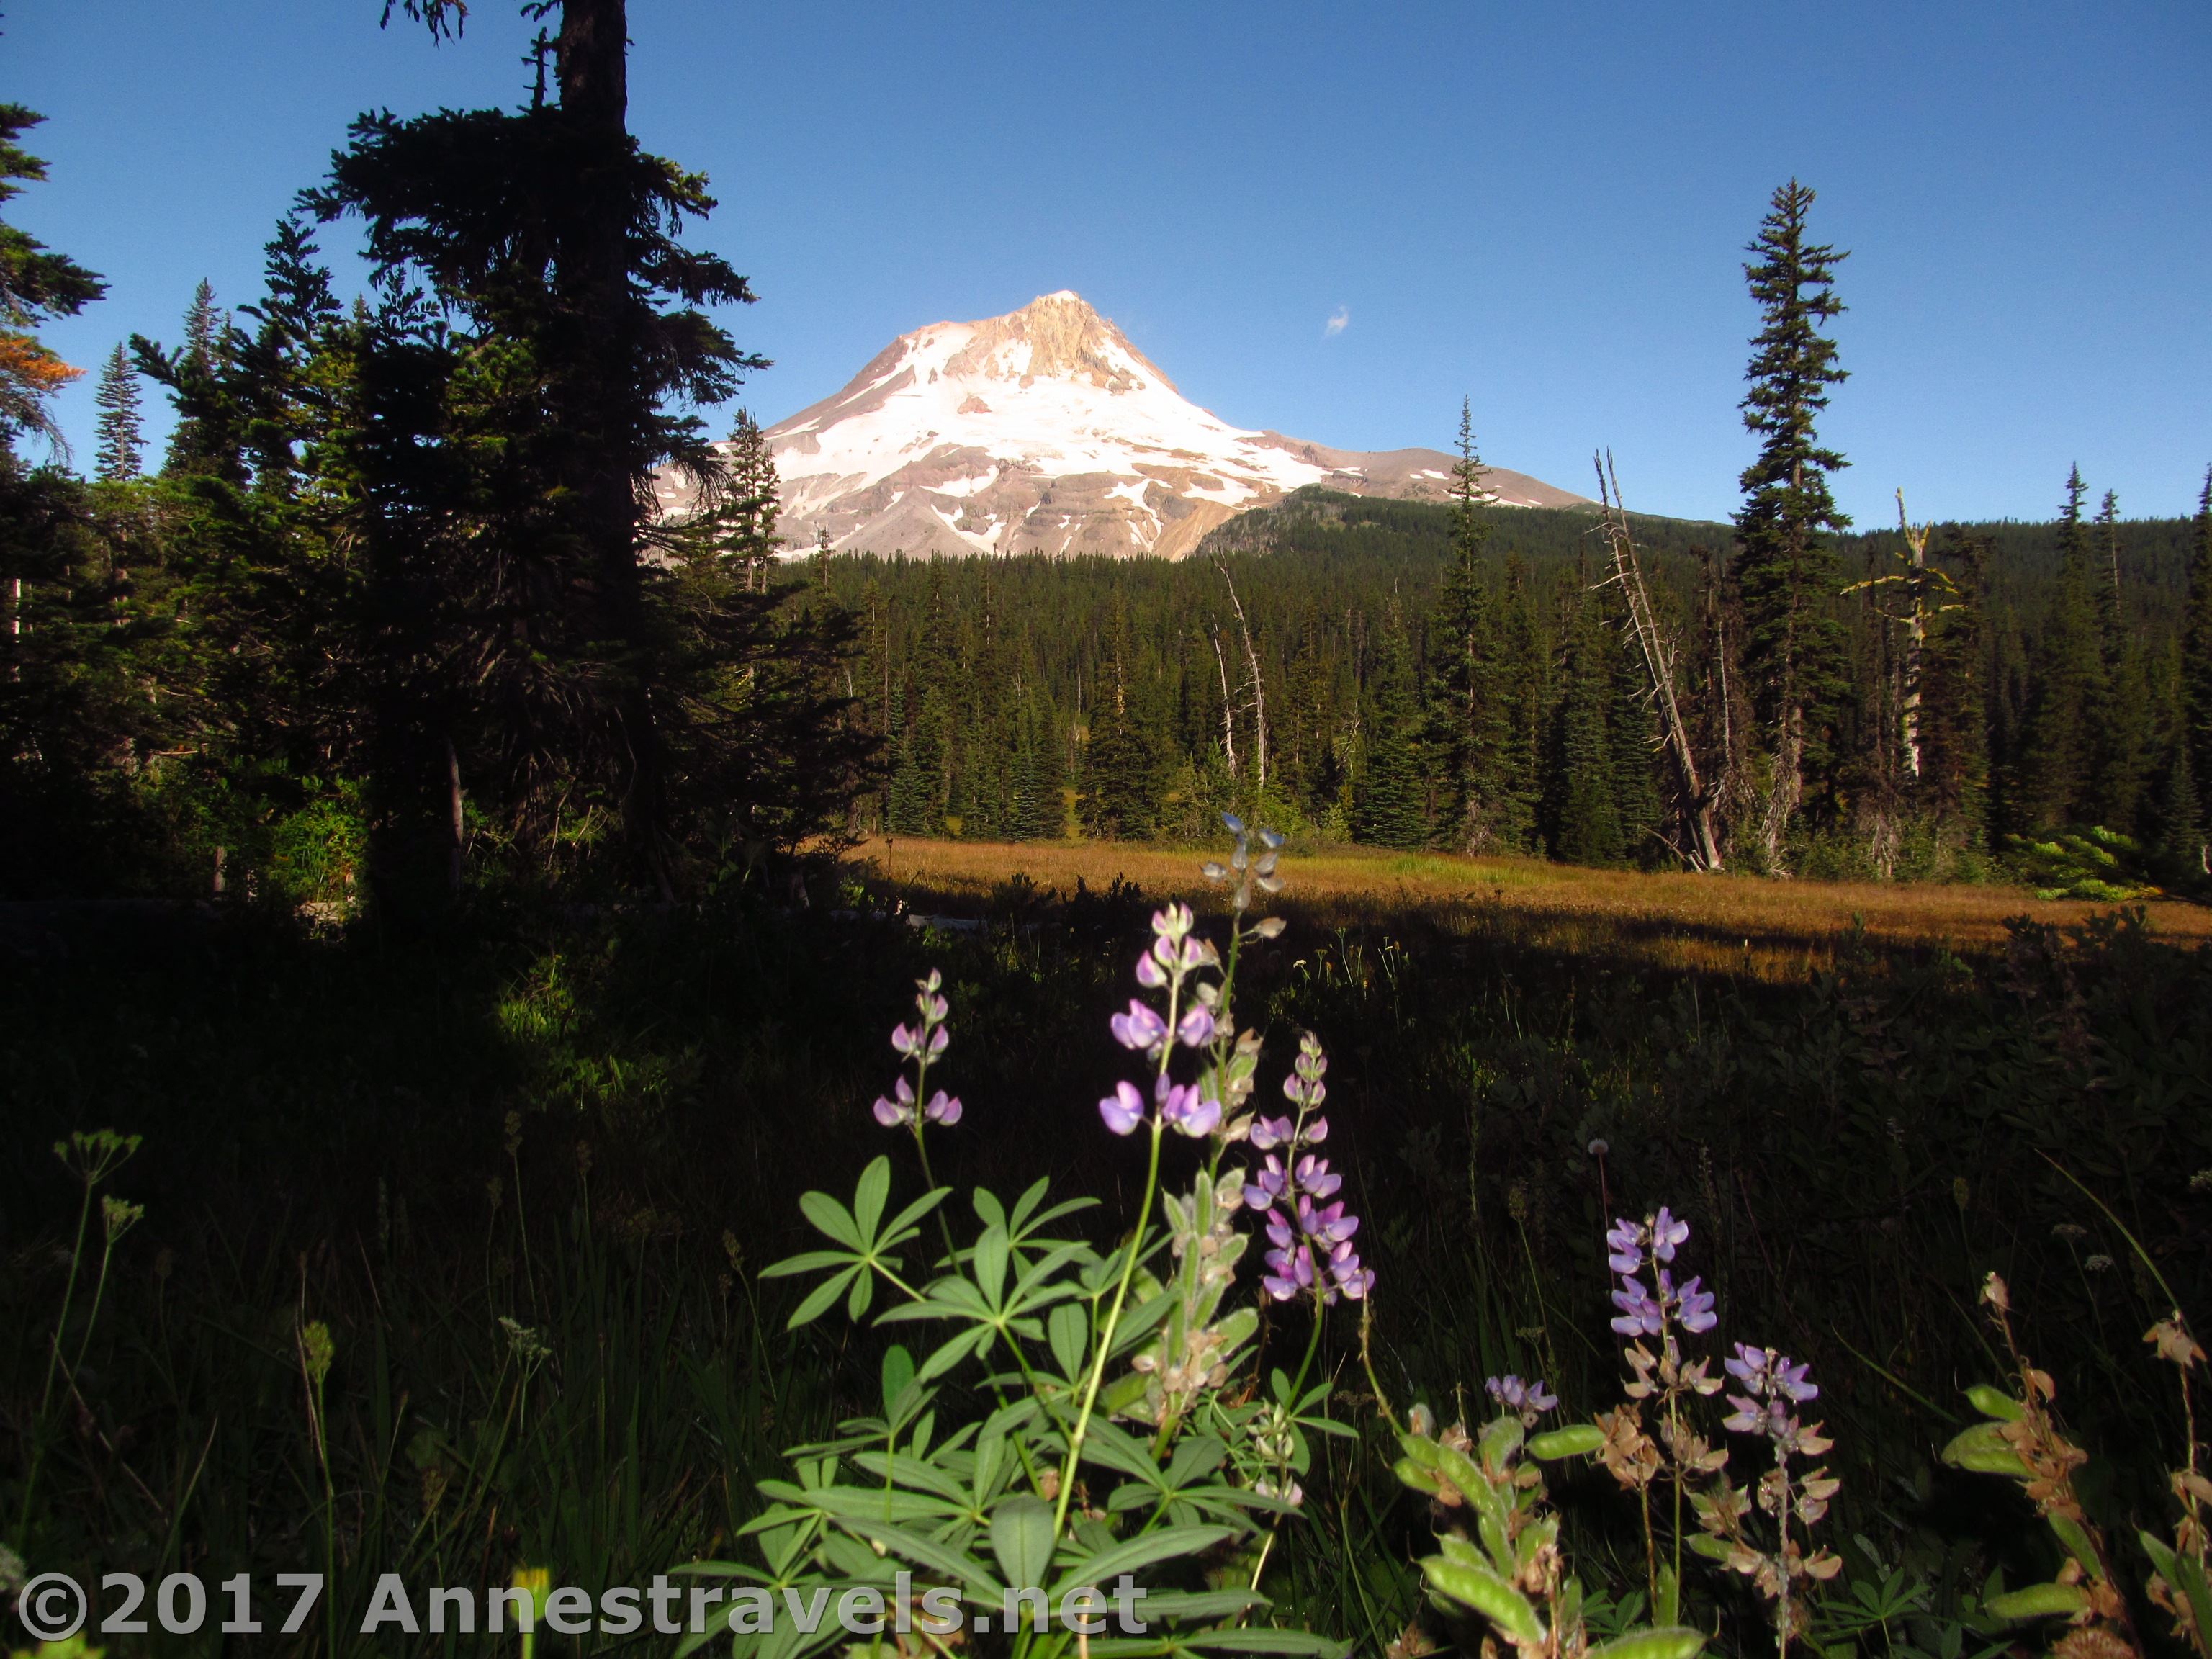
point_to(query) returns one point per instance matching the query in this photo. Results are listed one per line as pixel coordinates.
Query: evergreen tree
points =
(1584, 793)
(122, 444)
(201, 442)
(1470, 727)
(2196, 641)
(1633, 731)
(1785, 569)
(1121, 773)
(2069, 688)
(1388, 805)
(1954, 761)
(1523, 671)
(36, 287)
(553, 234)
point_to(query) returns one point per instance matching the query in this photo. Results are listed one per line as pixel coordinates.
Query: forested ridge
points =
(1028, 697)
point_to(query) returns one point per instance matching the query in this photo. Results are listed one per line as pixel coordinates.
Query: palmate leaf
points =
(1021, 1537)
(867, 1251)
(1164, 1544)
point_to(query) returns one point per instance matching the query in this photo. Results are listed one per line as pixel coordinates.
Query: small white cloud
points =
(1339, 320)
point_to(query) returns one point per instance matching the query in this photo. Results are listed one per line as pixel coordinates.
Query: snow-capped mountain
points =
(1046, 431)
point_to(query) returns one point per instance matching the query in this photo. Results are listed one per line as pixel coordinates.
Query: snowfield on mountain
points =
(1046, 431)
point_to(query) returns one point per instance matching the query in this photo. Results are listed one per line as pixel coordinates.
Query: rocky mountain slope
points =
(1046, 430)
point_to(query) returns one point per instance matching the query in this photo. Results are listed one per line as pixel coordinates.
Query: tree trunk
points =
(592, 273)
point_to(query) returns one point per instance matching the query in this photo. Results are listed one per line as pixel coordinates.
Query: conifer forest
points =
(495, 1100)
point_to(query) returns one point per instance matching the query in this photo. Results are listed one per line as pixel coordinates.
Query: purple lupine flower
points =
(1141, 1028)
(1349, 1277)
(1331, 1225)
(941, 1038)
(1625, 1241)
(1314, 1176)
(1773, 1384)
(1315, 1131)
(1268, 1183)
(906, 1041)
(1123, 1109)
(1150, 974)
(1195, 1029)
(942, 1108)
(1640, 1315)
(1290, 1272)
(1175, 923)
(1514, 1396)
(894, 1112)
(1182, 1108)
(1697, 1308)
(1269, 1133)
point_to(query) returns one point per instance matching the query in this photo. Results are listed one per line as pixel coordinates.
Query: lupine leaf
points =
(1164, 1544)
(1069, 1330)
(870, 1196)
(819, 1298)
(830, 1217)
(1021, 1537)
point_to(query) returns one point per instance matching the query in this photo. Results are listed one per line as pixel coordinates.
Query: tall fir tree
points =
(1785, 568)
(1954, 764)
(2069, 690)
(2196, 641)
(1471, 726)
(1389, 808)
(37, 286)
(1584, 797)
(121, 451)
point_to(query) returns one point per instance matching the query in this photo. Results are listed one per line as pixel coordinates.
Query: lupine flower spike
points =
(922, 1043)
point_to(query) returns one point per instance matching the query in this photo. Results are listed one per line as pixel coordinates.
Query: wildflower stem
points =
(1367, 1364)
(1113, 1323)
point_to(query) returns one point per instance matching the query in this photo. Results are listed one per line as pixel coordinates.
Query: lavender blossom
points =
(1195, 1029)
(1525, 1400)
(1123, 1109)
(1183, 1109)
(898, 1110)
(1633, 1246)
(1269, 1133)
(1142, 1029)
(1773, 1386)
(921, 1042)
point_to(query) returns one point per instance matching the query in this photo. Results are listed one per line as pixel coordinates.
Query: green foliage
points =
(2099, 864)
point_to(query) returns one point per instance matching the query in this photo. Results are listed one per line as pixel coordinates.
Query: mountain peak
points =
(1046, 431)
(1058, 336)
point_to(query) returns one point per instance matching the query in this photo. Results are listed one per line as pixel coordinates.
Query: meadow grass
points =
(1733, 924)
(525, 1174)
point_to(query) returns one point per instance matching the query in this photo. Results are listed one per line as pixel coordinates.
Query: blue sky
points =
(1539, 206)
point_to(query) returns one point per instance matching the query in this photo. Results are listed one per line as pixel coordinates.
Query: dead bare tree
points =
(1929, 593)
(1228, 703)
(1695, 801)
(1259, 704)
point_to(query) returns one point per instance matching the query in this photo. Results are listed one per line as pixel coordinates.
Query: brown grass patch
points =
(1771, 929)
